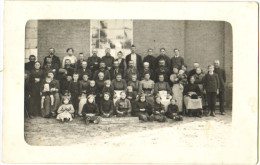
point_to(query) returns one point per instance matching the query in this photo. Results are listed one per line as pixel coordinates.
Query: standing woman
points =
(122, 63)
(177, 89)
(55, 90)
(36, 78)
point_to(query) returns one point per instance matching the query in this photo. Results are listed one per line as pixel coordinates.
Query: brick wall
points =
(31, 39)
(63, 34)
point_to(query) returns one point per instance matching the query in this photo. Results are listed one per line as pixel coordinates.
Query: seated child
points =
(131, 96)
(90, 111)
(47, 91)
(123, 106)
(142, 109)
(106, 106)
(65, 111)
(173, 111)
(158, 111)
(108, 88)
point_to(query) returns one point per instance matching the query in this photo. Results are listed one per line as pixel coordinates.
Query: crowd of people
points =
(152, 88)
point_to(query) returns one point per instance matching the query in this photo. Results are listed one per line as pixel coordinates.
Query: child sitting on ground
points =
(90, 111)
(106, 106)
(143, 110)
(47, 91)
(173, 111)
(158, 111)
(65, 111)
(123, 106)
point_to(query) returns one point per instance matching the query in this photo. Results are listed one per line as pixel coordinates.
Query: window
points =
(114, 34)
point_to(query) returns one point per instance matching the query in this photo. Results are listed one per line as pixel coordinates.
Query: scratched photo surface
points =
(169, 60)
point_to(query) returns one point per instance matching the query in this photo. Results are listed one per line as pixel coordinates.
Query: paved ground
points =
(191, 132)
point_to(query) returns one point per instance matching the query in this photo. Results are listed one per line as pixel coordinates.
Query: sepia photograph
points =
(102, 79)
(103, 82)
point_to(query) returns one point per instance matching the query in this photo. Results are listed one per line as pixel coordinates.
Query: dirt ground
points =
(190, 132)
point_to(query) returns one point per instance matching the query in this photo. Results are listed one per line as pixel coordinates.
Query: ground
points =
(191, 132)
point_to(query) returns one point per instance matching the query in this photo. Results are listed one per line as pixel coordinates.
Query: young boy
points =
(65, 111)
(90, 111)
(158, 111)
(142, 109)
(211, 86)
(106, 106)
(173, 111)
(47, 91)
(108, 88)
(74, 90)
(123, 106)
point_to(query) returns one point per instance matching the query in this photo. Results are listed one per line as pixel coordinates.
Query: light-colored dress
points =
(177, 91)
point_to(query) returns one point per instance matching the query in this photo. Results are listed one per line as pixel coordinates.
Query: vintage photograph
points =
(111, 81)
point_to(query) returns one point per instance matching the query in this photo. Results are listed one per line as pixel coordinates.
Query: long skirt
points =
(56, 102)
(203, 96)
(46, 110)
(192, 103)
(177, 91)
(165, 101)
(35, 100)
(82, 102)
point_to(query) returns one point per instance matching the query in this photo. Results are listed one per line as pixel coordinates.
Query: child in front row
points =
(143, 109)
(173, 111)
(90, 111)
(108, 88)
(158, 111)
(131, 96)
(106, 106)
(123, 106)
(65, 110)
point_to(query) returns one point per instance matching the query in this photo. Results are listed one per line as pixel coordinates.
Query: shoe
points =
(213, 114)
(222, 113)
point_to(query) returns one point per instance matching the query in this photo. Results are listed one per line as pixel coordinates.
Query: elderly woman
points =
(192, 98)
(199, 75)
(146, 87)
(36, 78)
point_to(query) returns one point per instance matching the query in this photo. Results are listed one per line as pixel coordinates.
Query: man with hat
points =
(137, 59)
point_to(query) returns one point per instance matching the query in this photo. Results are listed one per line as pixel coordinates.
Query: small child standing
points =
(46, 91)
(173, 111)
(108, 88)
(90, 111)
(106, 106)
(65, 111)
(158, 111)
(74, 90)
(123, 106)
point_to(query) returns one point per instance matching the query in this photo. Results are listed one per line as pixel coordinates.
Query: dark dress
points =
(35, 106)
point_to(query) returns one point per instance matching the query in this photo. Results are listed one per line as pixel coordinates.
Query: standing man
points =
(108, 59)
(80, 60)
(164, 57)
(93, 61)
(176, 61)
(222, 79)
(84, 70)
(30, 65)
(137, 59)
(55, 60)
(150, 59)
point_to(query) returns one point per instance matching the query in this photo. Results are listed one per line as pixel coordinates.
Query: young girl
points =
(159, 110)
(108, 88)
(83, 85)
(173, 111)
(143, 110)
(92, 89)
(46, 91)
(106, 106)
(90, 111)
(131, 96)
(65, 111)
(123, 106)
(74, 90)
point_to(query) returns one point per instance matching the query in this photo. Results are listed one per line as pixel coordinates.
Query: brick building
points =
(198, 41)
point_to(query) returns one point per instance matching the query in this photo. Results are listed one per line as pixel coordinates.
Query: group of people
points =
(152, 88)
